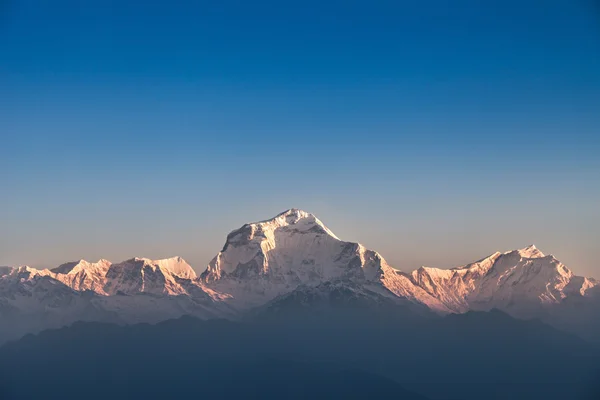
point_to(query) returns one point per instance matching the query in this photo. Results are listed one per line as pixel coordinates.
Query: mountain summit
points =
(530, 252)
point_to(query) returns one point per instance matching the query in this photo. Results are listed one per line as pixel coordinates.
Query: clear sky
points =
(435, 132)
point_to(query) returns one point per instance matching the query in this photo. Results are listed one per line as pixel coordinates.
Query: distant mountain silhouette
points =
(100, 361)
(321, 355)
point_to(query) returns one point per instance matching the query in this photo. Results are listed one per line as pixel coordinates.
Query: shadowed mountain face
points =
(183, 358)
(215, 378)
(337, 352)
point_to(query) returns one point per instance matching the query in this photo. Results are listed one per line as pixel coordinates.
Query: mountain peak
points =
(76, 266)
(290, 215)
(26, 272)
(530, 252)
(175, 265)
(294, 211)
(300, 220)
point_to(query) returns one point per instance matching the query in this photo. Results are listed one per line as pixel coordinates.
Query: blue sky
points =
(434, 132)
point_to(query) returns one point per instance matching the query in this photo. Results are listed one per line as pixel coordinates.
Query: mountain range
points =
(292, 260)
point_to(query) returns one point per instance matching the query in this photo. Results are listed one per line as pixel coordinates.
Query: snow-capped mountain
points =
(83, 275)
(519, 282)
(137, 275)
(32, 300)
(292, 257)
(136, 290)
(266, 259)
(141, 275)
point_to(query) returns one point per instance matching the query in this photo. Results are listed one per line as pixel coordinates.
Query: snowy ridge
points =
(142, 275)
(519, 281)
(291, 256)
(136, 290)
(83, 275)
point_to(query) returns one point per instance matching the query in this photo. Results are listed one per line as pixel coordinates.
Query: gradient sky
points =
(435, 132)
